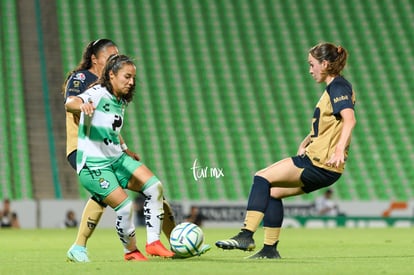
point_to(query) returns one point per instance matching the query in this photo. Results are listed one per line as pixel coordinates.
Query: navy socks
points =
(259, 195)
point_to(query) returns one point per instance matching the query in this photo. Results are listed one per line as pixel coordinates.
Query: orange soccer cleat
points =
(135, 256)
(157, 249)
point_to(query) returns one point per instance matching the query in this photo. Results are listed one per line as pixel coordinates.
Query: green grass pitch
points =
(304, 251)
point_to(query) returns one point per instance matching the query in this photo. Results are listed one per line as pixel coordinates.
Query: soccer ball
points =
(187, 239)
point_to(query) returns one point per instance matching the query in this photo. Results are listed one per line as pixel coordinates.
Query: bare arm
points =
(303, 145)
(69, 98)
(75, 104)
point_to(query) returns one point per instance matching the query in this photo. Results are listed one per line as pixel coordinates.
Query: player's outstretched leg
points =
(243, 241)
(256, 207)
(267, 252)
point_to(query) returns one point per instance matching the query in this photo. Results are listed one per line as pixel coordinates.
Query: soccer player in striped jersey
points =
(104, 169)
(85, 74)
(320, 160)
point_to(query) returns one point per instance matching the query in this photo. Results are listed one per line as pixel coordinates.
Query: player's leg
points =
(104, 186)
(272, 222)
(91, 215)
(169, 220)
(284, 174)
(312, 178)
(90, 218)
(273, 217)
(143, 180)
(123, 206)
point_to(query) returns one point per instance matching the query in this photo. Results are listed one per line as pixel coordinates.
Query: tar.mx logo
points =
(203, 172)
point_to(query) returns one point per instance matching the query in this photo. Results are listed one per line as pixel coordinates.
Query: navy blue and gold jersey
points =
(77, 83)
(327, 123)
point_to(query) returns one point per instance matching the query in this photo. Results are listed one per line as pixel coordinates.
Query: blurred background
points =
(223, 87)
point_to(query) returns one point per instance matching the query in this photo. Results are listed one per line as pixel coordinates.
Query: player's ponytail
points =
(340, 61)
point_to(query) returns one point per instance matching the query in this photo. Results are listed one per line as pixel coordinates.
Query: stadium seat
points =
(227, 83)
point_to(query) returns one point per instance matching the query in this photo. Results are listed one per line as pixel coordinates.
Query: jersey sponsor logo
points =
(117, 122)
(91, 223)
(105, 107)
(73, 90)
(80, 76)
(340, 98)
(107, 141)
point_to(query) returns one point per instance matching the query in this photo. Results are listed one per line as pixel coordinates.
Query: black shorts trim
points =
(98, 201)
(313, 177)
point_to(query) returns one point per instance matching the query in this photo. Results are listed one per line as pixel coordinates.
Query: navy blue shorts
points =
(72, 159)
(313, 177)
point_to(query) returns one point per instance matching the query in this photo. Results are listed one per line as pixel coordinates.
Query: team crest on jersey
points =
(103, 183)
(80, 76)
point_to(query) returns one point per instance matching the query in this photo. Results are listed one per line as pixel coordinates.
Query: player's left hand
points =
(336, 160)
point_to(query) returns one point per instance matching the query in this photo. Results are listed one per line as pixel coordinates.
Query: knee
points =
(259, 173)
(262, 174)
(275, 193)
(153, 187)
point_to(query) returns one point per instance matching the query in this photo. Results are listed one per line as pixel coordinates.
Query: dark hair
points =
(335, 55)
(114, 64)
(93, 48)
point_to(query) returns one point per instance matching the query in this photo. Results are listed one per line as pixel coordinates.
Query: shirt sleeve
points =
(341, 97)
(92, 94)
(76, 84)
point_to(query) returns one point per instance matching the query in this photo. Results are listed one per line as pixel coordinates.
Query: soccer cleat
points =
(157, 249)
(203, 250)
(135, 256)
(243, 241)
(267, 252)
(77, 254)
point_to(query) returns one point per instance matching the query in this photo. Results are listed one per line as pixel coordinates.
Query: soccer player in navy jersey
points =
(320, 160)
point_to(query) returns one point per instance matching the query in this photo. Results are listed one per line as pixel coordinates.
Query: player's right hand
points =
(87, 108)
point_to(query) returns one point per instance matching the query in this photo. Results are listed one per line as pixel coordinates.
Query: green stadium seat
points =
(227, 82)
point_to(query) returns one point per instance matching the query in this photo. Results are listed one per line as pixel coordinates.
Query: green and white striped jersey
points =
(98, 136)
